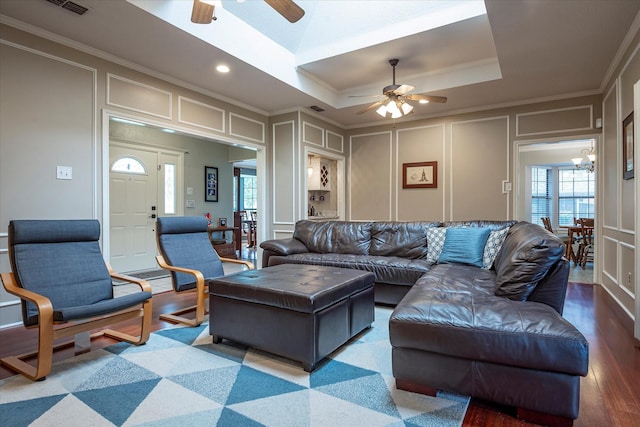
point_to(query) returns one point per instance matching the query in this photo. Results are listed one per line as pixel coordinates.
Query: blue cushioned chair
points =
(186, 251)
(66, 288)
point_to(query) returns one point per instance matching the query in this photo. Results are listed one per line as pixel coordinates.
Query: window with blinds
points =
(541, 178)
(576, 195)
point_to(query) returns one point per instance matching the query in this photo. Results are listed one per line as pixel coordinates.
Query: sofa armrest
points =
(552, 290)
(281, 247)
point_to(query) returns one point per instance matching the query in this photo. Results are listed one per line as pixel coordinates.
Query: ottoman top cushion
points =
(303, 288)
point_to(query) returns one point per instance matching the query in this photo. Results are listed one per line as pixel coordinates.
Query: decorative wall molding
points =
(442, 183)
(9, 306)
(621, 281)
(507, 160)
(556, 112)
(276, 214)
(336, 139)
(237, 121)
(312, 134)
(282, 234)
(216, 120)
(389, 135)
(129, 94)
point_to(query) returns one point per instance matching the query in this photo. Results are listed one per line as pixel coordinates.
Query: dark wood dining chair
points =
(585, 248)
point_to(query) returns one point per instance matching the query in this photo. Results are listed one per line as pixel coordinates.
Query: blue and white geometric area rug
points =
(179, 378)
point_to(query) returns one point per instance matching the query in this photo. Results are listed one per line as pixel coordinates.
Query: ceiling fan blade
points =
(287, 8)
(403, 89)
(371, 107)
(430, 98)
(202, 13)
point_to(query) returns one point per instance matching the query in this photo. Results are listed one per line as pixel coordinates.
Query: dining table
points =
(573, 230)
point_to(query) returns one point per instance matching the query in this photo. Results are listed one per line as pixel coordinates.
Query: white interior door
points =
(133, 188)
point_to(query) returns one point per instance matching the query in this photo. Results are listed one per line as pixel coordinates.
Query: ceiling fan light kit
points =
(396, 105)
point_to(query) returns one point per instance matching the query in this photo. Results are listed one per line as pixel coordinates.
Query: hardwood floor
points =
(610, 394)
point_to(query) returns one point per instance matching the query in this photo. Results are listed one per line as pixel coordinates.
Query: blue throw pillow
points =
(464, 245)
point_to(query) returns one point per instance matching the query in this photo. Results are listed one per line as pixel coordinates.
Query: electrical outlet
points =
(191, 203)
(64, 172)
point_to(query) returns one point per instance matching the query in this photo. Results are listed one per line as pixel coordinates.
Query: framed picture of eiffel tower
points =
(420, 175)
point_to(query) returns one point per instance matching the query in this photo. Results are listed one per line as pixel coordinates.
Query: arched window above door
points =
(128, 165)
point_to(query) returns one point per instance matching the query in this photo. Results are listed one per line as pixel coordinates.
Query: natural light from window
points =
(128, 165)
(562, 193)
(249, 185)
(169, 189)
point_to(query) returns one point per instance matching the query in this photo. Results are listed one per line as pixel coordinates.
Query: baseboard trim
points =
(607, 299)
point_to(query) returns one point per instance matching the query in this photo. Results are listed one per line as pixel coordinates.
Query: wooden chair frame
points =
(585, 249)
(50, 330)
(200, 290)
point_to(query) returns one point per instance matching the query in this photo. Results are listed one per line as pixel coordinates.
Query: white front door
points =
(133, 199)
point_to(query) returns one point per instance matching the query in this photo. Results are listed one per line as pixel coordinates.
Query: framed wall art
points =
(628, 146)
(210, 184)
(420, 175)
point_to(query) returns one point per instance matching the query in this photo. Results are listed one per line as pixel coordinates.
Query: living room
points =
(71, 90)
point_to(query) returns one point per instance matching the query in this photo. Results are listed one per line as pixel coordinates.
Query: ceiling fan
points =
(395, 104)
(203, 11)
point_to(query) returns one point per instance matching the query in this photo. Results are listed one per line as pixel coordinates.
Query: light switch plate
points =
(64, 172)
(189, 190)
(191, 203)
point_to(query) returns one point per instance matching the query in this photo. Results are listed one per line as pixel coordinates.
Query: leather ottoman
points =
(301, 312)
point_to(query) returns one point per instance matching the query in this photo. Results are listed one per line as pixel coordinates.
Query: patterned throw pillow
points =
(494, 243)
(435, 242)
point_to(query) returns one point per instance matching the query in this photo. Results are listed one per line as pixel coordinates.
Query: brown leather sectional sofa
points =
(492, 331)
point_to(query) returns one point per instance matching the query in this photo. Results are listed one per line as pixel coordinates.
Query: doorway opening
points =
(245, 202)
(550, 185)
(174, 159)
(143, 184)
(323, 192)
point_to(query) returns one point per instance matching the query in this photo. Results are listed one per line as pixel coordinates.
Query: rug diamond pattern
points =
(181, 378)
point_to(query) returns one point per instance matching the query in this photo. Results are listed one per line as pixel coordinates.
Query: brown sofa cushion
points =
(340, 237)
(400, 239)
(525, 258)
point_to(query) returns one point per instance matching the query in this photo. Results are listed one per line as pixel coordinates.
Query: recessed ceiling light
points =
(222, 69)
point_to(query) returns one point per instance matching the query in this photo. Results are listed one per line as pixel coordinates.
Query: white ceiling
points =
(524, 50)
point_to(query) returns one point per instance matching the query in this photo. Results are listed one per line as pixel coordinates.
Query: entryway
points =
(142, 186)
(549, 184)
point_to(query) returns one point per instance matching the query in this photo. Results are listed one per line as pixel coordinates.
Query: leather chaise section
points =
(455, 307)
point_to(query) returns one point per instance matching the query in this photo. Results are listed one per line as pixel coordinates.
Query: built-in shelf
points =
(320, 178)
